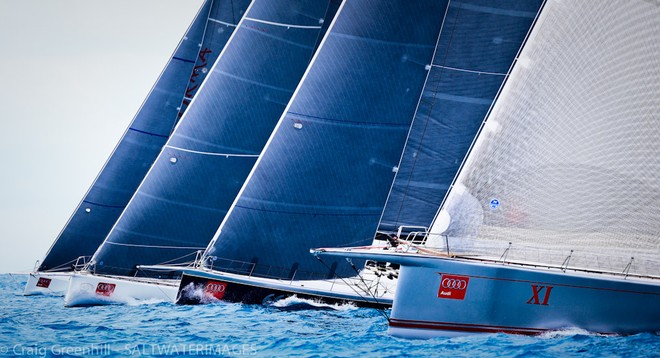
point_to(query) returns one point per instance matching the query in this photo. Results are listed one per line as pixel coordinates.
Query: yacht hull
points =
(91, 290)
(42, 283)
(199, 287)
(440, 296)
(452, 296)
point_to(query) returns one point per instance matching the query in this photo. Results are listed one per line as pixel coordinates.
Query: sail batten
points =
(295, 26)
(494, 10)
(149, 133)
(471, 71)
(213, 153)
(293, 116)
(103, 205)
(256, 83)
(222, 22)
(156, 246)
(183, 59)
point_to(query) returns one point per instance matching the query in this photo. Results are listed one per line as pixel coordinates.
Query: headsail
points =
(192, 184)
(138, 148)
(477, 46)
(566, 168)
(325, 174)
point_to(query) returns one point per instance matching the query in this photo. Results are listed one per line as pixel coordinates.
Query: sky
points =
(73, 73)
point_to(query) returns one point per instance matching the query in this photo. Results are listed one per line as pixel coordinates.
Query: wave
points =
(570, 332)
(287, 326)
(295, 303)
(196, 293)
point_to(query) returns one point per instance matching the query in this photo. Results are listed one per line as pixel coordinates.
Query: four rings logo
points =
(43, 282)
(105, 289)
(453, 287)
(215, 289)
(454, 283)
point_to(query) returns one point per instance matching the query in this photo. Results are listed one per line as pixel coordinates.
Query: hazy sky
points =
(73, 73)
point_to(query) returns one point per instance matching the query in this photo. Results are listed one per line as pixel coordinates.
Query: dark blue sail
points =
(222, 20)
(138, 148)
(325, 175)
(195, 179)
(479, 41)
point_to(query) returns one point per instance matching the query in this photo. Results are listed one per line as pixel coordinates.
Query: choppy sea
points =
(42, 326)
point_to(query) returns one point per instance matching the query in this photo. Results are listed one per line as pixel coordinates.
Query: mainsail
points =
(478, 43)
(220, 24)
(326, 172)
(141, 143)
(193, 182)
(565, 170)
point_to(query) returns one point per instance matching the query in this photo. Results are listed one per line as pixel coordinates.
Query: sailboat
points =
(552, 221)
(132, 157)
(326, 171)
(178, 206)
(471, 58)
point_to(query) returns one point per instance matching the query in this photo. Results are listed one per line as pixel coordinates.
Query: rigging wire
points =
(428, 116)
(381, 311)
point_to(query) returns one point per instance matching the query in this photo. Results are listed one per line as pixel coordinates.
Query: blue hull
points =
(450, 295)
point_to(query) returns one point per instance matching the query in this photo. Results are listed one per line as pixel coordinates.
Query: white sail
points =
(568, 162)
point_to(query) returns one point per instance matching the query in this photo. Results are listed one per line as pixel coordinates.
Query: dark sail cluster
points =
(196, 178)
(411, 77)
(142, 142)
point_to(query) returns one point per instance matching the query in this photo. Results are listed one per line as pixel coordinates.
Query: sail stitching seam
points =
(222, 22)
(211, 153)
(149, 133)
(157, 246)
(283, 24)
(471, 71)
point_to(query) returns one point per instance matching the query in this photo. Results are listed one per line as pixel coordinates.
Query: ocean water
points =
(42, 326)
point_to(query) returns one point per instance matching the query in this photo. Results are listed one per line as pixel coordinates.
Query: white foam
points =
(197, 293)
(295, 300)
(567, 332)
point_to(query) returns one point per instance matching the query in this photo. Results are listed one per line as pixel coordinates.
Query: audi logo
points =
(215, 287)
(454, 284)
(105, 287)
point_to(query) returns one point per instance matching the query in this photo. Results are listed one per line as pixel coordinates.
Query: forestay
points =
(140, 144)
(478, 43)
(325, 174)
(567, 166)
(192, 184)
